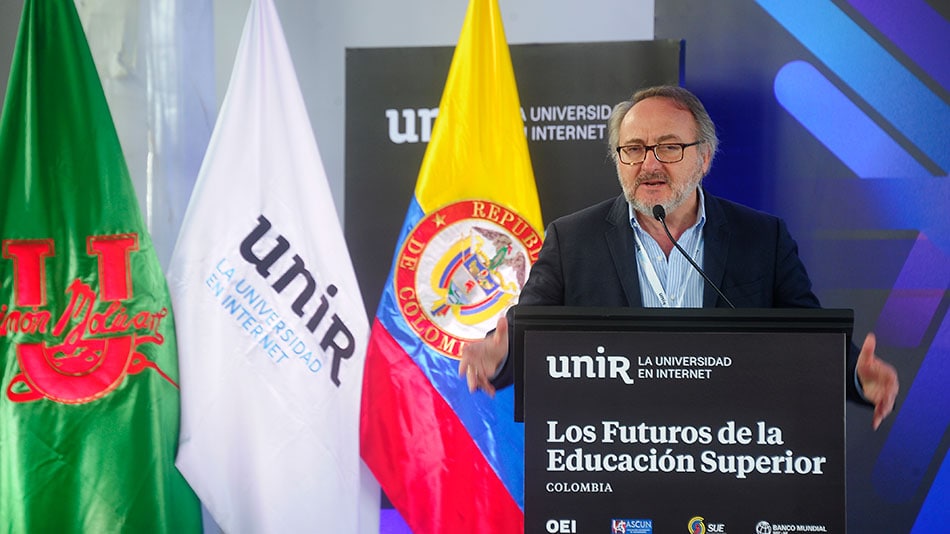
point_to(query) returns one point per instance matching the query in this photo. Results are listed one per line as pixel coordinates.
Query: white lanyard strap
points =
(650, 271)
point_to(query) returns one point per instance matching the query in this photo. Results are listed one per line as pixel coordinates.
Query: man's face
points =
(653, 121)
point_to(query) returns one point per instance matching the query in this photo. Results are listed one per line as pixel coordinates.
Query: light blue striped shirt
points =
(681, 283)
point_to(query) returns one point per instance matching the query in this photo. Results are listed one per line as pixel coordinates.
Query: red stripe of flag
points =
(421, 454)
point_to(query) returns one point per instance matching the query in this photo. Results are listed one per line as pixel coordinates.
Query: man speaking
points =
(620, 252)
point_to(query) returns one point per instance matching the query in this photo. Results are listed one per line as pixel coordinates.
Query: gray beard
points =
(669, 206)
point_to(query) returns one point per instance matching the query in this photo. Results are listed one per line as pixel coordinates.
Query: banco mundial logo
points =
(763, 527)
(460, 268)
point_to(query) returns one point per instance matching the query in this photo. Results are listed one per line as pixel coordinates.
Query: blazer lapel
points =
(715, 248)
(623, 251)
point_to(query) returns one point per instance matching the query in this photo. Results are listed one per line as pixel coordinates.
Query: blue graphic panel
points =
(875, 75)
(916, 296)
(914, 27)
(812, 99)
(920, 426)
(933, 514)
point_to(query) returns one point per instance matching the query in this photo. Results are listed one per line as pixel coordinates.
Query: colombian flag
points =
(447, 458)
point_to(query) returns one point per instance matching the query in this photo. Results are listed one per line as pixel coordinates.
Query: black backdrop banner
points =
(566, 92)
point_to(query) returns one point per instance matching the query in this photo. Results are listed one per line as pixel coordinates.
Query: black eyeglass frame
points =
(652, 148)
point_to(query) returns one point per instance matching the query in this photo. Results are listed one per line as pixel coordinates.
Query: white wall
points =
(9, 22)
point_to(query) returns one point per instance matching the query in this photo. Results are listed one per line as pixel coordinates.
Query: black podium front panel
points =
(686, 430)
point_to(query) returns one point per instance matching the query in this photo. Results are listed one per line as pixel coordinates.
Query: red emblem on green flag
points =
(89, 407)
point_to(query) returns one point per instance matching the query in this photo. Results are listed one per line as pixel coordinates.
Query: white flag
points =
(270, 321)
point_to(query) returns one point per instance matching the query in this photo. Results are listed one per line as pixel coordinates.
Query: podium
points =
(682, 420)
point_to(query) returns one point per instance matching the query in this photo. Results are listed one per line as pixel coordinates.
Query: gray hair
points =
(705, 129)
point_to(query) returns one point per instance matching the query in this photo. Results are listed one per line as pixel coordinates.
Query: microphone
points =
(660, 214)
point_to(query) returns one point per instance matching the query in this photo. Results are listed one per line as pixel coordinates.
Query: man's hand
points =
(878, 379)
(480, 360)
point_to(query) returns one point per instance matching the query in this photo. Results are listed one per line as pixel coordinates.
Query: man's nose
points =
(650, 161)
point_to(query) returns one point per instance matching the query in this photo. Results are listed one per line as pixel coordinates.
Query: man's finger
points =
(881, 411)
(471, 378)
(486, 385)
(869, 346)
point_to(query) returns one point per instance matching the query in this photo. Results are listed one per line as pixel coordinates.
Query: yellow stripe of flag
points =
(478, 148)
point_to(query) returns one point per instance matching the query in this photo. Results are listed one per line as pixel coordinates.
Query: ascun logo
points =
(585, 366)
(631, 526)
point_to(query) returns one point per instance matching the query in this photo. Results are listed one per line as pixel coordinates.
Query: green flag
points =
(88, 367)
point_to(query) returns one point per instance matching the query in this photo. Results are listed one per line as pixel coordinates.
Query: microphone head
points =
(659, 213)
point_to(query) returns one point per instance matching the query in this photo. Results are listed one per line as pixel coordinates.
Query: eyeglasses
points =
(664, 152)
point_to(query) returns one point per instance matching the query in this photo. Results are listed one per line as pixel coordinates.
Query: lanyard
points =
(650, 272)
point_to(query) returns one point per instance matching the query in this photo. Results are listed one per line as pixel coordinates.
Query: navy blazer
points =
(589, 259)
